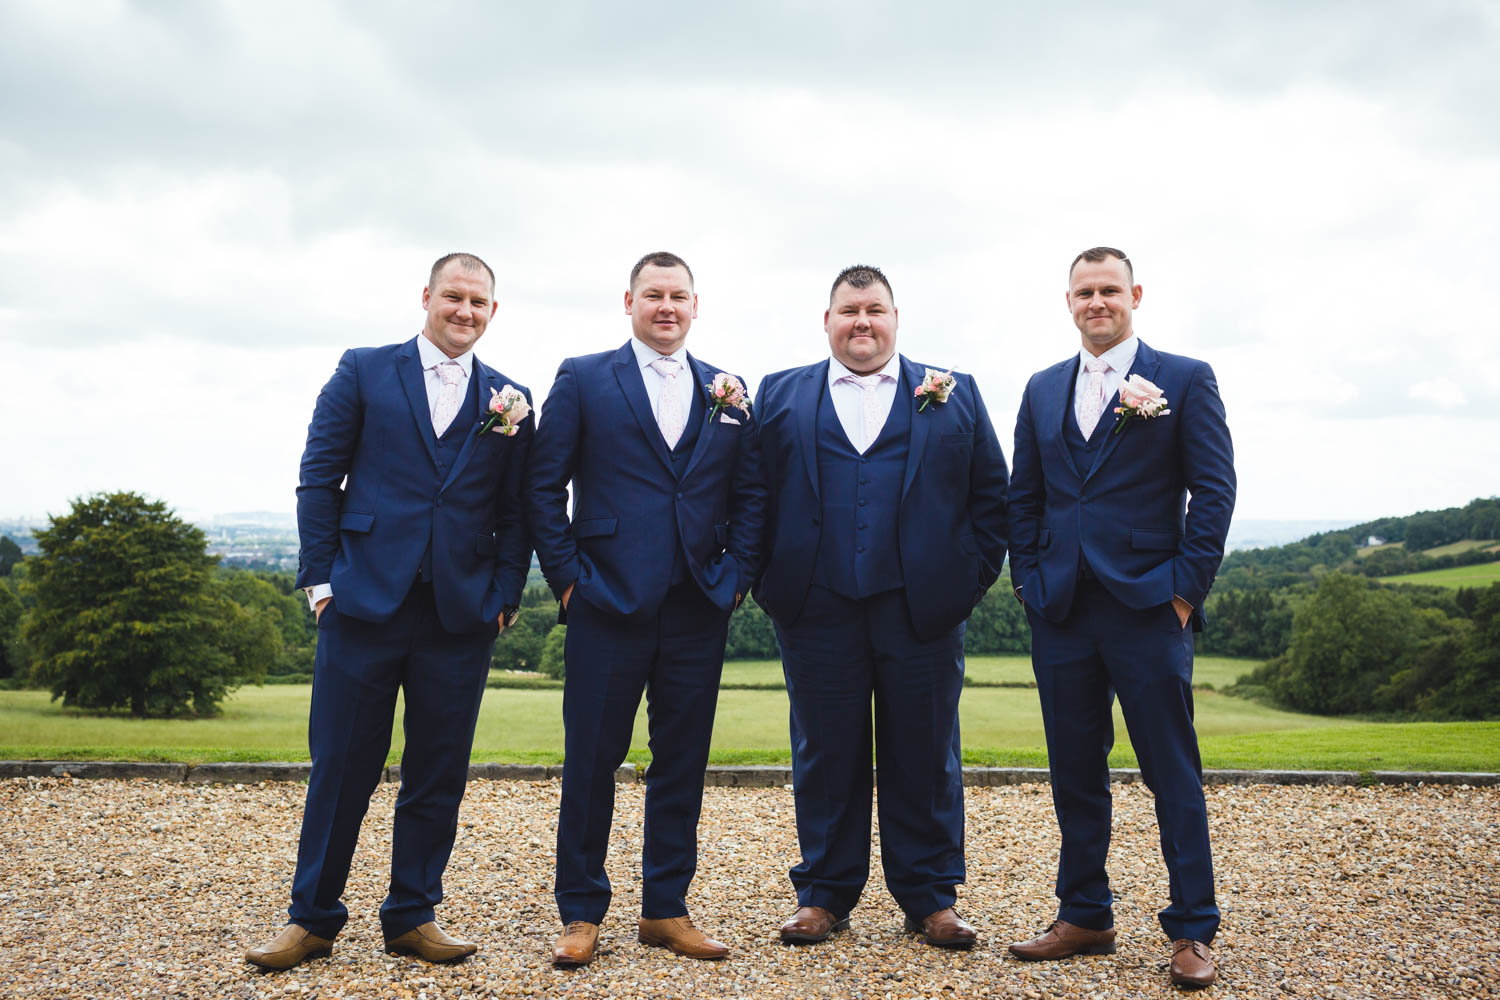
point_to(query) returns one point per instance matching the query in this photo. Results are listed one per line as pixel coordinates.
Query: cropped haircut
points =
(467, 261)
(860, 276)
(1096, 254)
(659, 258)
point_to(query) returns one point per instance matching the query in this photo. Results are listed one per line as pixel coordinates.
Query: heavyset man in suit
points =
(663, 542)
(414, 554)
(1113, 564)
(886, 524)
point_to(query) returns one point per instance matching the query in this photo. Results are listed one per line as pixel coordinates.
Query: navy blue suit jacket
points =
(1128, 515)
(372, 427)
(598, 431)
(953, 497)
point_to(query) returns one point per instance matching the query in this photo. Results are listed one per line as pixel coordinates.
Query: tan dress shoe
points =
(944, 929)
(428, 941)
(679, 934)
(811, 924)
(1063, 940)
(577, 944)
(1192, 964)
(293, 946)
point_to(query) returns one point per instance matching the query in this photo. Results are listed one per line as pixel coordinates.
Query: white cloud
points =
(1442, 392)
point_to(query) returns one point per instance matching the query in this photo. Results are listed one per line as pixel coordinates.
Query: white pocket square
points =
(725, 418)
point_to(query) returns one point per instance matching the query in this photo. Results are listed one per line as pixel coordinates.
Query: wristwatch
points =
(509, 615)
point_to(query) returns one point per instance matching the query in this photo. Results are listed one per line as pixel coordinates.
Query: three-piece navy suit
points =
(660, 543)
(1102, 538)
(423, 540)
(873, 563)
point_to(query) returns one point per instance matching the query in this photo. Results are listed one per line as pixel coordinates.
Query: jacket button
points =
(679, 496)
(439, 501)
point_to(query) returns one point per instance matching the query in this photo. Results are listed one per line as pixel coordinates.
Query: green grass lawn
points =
(1480, 575)
(1001, 726)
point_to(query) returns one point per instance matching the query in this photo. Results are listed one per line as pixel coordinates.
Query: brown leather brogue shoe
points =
(943, 929)
(293, 946)
(577, 944)
(1192, 964)
(428, 941)
(811, 924)
(679, 934)
(1062, 940)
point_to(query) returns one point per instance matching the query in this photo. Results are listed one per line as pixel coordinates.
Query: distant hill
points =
(1416, 543)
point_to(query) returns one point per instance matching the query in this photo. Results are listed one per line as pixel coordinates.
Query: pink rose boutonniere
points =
(727, 393)
(936, 387)
(1139, 398)
(507, 409)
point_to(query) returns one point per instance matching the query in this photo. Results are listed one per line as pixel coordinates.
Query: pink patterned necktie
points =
(669, 415)
(1092, 406)
(450, 373)
(871, 419)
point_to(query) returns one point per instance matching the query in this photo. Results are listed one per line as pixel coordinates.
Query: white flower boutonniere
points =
(1139, 398)
(936, 387)
(507, 409)
(727, 392)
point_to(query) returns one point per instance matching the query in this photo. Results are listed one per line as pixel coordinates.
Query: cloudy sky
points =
(203, 203)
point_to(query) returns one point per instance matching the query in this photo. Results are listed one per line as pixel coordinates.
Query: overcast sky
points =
(202, 204)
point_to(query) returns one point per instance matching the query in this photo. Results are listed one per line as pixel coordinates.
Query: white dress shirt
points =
(848, 399)
(431, 356)
(1119, 358)
(644, 355)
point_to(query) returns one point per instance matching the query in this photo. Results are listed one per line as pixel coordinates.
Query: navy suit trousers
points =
(839, 654)
(1101, 648)
(675, 657)
(359, 667)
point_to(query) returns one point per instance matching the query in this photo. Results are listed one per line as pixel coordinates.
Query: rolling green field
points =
(1001, 726)
(1480, 575)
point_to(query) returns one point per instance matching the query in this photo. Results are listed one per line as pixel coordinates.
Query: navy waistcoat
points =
(682, 453)
(449, 444)
(858, 549)
(1085, 452)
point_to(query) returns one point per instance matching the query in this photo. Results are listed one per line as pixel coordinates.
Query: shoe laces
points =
(577, 926)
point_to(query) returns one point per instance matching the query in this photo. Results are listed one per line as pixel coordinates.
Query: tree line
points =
(124, 609)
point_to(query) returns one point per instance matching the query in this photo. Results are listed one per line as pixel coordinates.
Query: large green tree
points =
(125, 612)
(10, 554)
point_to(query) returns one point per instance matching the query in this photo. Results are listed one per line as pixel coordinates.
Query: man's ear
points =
(629, 299)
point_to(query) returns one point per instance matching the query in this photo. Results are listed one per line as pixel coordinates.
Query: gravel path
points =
(136, 889)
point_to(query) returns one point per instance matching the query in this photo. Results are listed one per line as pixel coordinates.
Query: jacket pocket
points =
(958, 438)
(1155, 539)
(590, 527)
(356, 521)
(1044, 538)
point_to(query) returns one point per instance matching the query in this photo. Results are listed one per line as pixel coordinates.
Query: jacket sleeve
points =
(1028, 496)
(554, 457)
(1207, 456)
(332, 437)
(513, 539)
(747, 509)
(988, 485)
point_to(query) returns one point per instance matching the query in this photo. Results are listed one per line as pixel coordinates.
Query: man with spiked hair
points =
(885, 526)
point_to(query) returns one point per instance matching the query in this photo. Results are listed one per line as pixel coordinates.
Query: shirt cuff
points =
(317, 592)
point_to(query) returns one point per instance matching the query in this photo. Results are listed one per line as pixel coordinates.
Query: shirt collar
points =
(432, 357)
(1120, 357)
(891, 369)
(645, 353)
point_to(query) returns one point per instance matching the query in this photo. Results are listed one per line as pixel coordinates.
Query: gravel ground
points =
(137, 889)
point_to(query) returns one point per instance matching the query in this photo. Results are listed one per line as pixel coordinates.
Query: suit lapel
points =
(487, 381)
(1056, 400)
(409, 367)
(702, 378)
(920, 422)
(808, 395)
(1145, 365)
(633, 387)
